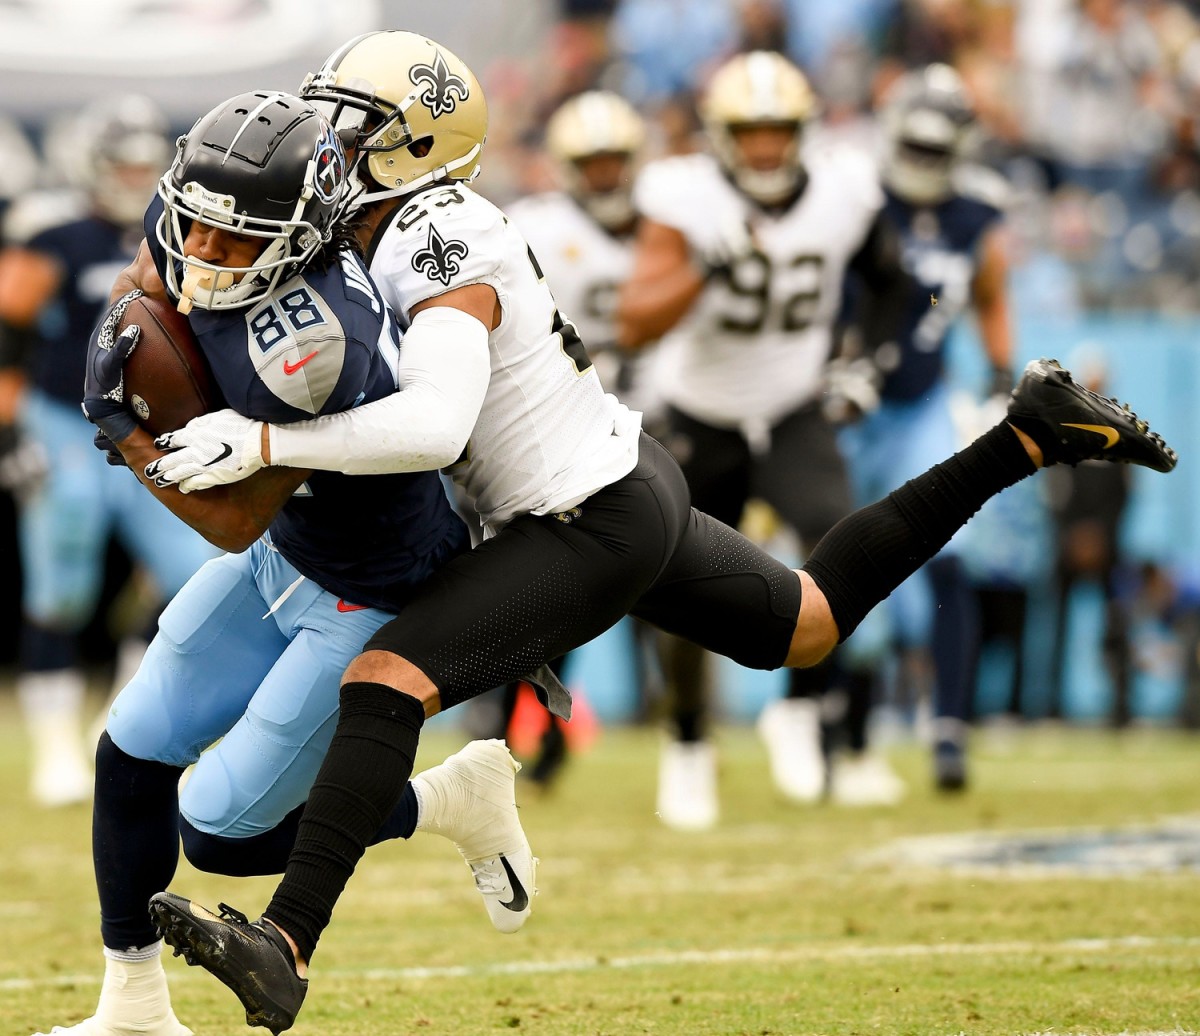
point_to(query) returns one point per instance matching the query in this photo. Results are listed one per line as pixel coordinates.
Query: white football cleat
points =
(471, 799)
(791, 730)
(687, 785)
(134, 1001)
(865, 779)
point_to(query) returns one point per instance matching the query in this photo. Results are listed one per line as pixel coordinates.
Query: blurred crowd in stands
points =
(1088, 108)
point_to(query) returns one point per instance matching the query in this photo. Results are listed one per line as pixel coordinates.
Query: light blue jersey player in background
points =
(251, 651)
(949, 219)
(54, 286)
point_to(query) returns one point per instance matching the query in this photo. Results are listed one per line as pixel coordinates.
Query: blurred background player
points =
(948, 215)
(739, 266)
(583, 238)
(53, 287)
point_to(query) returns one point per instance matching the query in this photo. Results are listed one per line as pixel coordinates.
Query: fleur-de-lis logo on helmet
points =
(444, 89)
(438, 260)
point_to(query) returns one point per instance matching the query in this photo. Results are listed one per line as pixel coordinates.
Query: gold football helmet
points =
(759, 88)
(409, 111)
(590, 125)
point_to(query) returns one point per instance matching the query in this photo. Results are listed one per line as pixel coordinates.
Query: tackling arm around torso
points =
(445, 368)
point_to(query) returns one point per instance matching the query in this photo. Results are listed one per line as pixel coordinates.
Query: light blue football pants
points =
(250, 653)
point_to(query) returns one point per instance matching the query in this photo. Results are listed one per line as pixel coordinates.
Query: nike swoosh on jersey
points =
(520, 898)
(226, 450)
(1111, 435)
(291, 368)
(342, 606)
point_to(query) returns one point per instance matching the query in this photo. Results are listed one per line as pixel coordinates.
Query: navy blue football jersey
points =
(941, 245)
(90, 253)
(325, 342)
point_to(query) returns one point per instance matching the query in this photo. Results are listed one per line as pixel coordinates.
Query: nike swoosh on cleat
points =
(520, 898)
(291, 368)
(1111, 435)
(226, 450)
(342, 606)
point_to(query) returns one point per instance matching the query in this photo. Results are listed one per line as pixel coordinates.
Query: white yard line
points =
(749, 955)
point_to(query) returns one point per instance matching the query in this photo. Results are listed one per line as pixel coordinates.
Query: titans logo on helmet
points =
(444, 89)
(329, 161)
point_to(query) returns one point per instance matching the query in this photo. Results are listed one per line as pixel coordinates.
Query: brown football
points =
(167, 379)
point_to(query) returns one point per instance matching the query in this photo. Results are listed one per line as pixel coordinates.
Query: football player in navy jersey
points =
(54, 285)
(587, 519)
(949, 217)
(251, 650)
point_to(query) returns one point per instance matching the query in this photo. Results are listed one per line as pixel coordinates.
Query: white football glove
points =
(851, 389)
(211, 450)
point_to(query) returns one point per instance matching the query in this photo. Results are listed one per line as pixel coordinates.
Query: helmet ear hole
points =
(421, 147)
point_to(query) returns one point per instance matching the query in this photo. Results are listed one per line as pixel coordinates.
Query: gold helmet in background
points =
(589, 125)
(755, 89)
(411, 111)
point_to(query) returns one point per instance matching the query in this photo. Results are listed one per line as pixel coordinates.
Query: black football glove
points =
(111, 454)
(104, 401)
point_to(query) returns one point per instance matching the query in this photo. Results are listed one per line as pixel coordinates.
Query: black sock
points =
(869, 553)
(264, 853)
(812, 682)
(860, 686)
(135, 843)
(359, 785)
(268, 852)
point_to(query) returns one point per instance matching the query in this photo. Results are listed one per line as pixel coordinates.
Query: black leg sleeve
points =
(135, 841)
(359, 785)
(869, 553)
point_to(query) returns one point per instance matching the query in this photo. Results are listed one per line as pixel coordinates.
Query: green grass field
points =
(781, 921)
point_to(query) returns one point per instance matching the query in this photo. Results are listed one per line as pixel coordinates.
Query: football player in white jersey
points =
(588, 519)
(582, 235)
(740, 266)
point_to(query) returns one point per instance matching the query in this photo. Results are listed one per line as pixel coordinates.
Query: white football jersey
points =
(753, 346)
(585, 266)
(548, 435)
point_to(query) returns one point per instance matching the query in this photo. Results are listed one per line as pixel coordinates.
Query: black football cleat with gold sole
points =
(251, 958)
(1069, 423)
